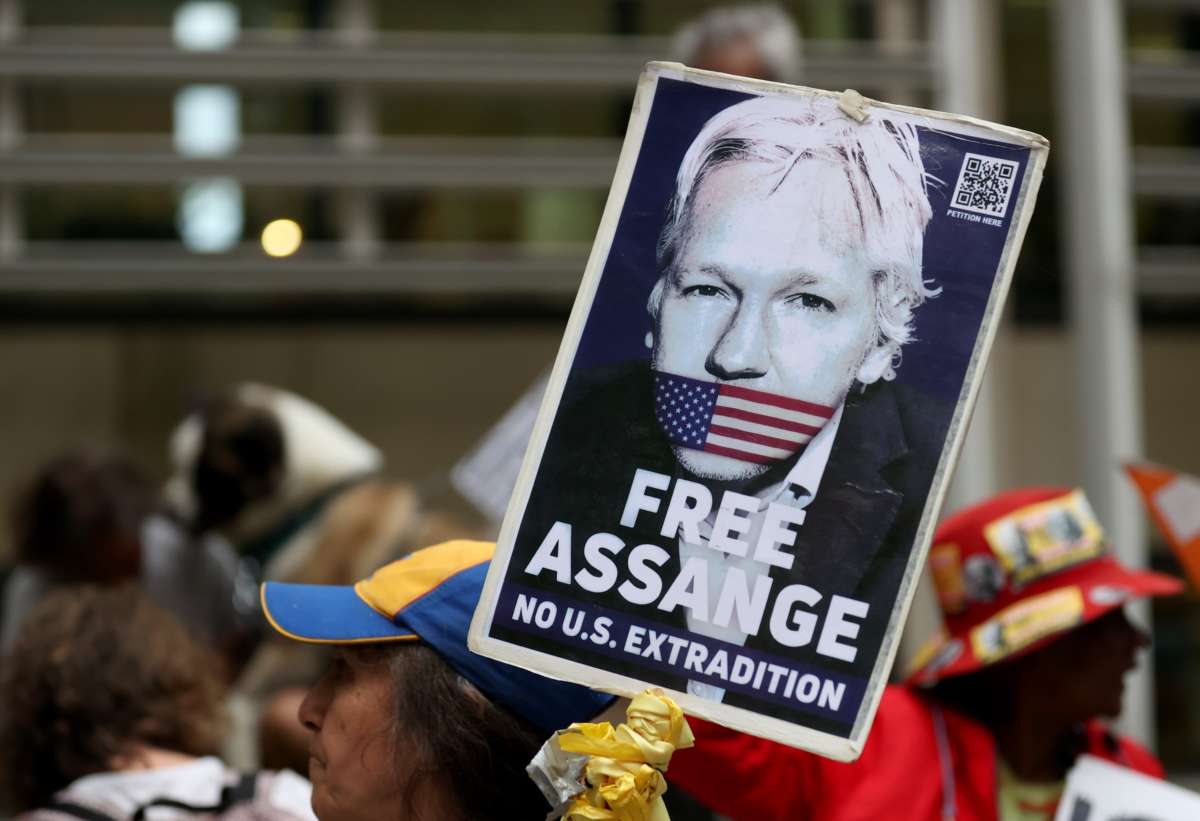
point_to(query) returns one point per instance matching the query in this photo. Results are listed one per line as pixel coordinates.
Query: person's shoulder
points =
(287, 791)
(608, 384)
(925, 417)
(908, 713)
(902, 703)
(920, 420)
(922, 404)
(901, 426)
(1102, 742)
(52, 814)
(901, 710)
(602, 402)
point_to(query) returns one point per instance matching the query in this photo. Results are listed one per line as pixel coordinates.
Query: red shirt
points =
(901, 774)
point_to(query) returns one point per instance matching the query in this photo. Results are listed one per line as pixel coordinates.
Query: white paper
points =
(1101, 791)
(487, 475)
(1179, 502)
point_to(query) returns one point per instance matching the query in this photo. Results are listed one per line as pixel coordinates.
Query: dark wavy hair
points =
(80, 517)
(94, 672)
(457, 742)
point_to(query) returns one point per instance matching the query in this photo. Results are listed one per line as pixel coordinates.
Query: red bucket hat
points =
(1019, 570)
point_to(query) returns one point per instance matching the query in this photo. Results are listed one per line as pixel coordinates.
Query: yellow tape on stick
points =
(624, 773)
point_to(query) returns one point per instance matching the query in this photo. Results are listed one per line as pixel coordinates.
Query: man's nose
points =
(741, 350)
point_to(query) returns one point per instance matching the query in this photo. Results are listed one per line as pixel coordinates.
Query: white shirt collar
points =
(804, 479)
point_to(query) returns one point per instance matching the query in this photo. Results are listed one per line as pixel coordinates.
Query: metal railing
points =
(451, 162)
(360, 64)
(419, 270)
(581, 63)
(1169, 78)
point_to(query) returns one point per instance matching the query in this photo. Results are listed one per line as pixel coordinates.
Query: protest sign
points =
(1098, 790)
(1173, 500)
(751, 422)
(488, 473)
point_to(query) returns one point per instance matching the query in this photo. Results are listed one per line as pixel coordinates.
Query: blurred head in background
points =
(256, 455)
(80, 518)
(754, 40)
(100, 679)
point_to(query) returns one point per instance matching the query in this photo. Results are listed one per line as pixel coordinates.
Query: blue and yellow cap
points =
(429, 596)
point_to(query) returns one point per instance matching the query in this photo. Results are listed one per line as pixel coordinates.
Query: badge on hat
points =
(1021, 624)
(1046, 537)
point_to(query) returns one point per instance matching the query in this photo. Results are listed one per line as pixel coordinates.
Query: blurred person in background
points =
(755, 40)
(92, 516)
(407, 722)
(108, 707)
(1037, 649)
(259, 465)
(302, 498)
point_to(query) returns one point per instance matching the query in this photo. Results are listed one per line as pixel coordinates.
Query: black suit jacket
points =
(855, 541)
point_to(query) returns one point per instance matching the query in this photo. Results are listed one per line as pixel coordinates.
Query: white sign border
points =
(822, 743)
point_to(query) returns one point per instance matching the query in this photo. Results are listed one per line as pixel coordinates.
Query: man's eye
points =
(703, 290)
(813, 302)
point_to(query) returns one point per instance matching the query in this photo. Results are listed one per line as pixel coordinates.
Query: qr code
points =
(984, 185)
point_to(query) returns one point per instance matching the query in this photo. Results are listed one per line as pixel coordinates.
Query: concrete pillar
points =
(896, 31)
(12, 223)
(1097, 226)
(966, 42)
(357, 212)
(963, 39)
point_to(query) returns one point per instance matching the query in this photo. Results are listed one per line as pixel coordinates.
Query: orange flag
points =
(1173, 499)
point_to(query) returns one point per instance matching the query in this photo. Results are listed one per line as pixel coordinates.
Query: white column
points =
(207, 123)
(12, 228)
(965, 39)
(10, 19)
(356, 212)
(1097, 224)
(962, 38)
(896, 29)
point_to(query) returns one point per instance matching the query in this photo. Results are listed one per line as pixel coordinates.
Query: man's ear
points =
(876, 364)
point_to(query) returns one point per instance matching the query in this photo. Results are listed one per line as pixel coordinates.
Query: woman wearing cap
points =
(407, 722)
(987, 728)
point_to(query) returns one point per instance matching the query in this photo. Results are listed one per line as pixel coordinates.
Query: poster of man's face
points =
(729, 489)
(790, 265)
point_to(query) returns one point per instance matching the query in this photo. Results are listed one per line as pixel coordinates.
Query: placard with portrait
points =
(758, 400)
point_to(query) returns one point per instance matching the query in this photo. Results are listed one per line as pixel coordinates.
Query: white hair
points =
(775, 35)
(882, 167)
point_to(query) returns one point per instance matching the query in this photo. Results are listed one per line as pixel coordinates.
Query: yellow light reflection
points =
(282, 237)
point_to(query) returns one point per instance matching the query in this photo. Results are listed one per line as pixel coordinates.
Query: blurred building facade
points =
(447, 165)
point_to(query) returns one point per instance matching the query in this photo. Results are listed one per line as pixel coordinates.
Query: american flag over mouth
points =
(745, 424)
